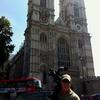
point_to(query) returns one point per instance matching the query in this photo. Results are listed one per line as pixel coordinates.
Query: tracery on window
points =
(43, 38)
(66, 13)
(63, 53)
(76, 10)
(43, 3)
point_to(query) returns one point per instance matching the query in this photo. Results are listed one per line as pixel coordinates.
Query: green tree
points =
(5, 41)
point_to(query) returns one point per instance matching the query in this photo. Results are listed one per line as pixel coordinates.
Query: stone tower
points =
(38, 39)
(73, 14)
(52, 44)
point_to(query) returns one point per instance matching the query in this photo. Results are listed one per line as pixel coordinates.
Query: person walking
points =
(64, 91)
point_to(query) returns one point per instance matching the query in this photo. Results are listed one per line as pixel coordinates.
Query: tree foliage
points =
(5, 40)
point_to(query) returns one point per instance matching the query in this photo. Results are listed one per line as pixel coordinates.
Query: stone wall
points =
(93, 85)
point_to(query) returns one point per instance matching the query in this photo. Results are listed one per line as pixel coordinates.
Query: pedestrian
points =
(64, 91)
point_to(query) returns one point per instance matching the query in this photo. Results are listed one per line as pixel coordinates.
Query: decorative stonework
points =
(51, 44)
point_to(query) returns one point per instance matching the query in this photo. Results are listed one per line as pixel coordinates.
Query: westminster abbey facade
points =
(54, 44)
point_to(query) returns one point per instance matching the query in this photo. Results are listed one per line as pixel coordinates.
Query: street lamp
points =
(82, 67)
(83, 62)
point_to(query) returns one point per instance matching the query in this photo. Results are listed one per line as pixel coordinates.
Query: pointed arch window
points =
(76, 10)
(66, 13)
(80, 44)
(43, 3)
(43, 38)
(63, 53)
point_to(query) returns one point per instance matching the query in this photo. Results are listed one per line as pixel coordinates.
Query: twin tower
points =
(61, 43)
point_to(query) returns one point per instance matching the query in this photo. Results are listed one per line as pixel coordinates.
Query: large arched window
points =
(43, 38)
(63, 53)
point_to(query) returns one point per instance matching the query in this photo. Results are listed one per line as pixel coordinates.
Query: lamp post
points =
(82, 67)
(83, 62)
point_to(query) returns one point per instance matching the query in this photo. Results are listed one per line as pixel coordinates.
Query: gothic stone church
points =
(53, 44)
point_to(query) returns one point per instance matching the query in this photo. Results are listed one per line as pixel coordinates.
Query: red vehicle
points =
(20, 85)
